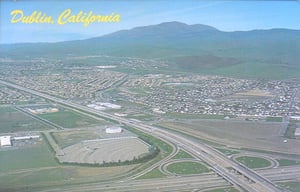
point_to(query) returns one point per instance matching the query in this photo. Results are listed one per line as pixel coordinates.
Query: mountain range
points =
(189, 47)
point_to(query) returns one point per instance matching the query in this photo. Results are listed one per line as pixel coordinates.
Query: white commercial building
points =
(5, 141)
(104, 106)
(109, 105)
(295, 117)
(26, 137)
(114, 130)
(297, 132)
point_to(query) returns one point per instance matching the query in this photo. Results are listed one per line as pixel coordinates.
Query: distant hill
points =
(196, 48)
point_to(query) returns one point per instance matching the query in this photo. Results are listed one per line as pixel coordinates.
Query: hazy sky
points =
(224, 15)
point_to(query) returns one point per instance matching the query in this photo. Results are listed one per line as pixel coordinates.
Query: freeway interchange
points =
(234, 173)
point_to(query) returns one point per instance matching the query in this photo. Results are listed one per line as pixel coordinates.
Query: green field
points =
(254, 162)
(182, 155)
(187, 168)
(155, 173)
(257, 70)
(70, 119)
(287, 162)
(34, 156)
(231, 189)
(193, 116)
(12, 120)
(141, 117)
(274, 119)
(67, 138)
(29, 180)
(165, 147)
(290, 132)
(35, 166)
(172, 126)
(227, 151)
(291, 186)
(6, 109)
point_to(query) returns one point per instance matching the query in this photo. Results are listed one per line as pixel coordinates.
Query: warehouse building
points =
(113, 130)
(297, 132)
(5, 141)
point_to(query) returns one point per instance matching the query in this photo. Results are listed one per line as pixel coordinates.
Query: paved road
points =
(284, 125)
(240, 176)
(53, 144)
(162, 184)
(235, 173)
(273, 162)
(164, 167)
(174, 152)
(282, 173)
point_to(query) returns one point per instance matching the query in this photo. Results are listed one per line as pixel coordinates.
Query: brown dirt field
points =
(67, 138)
(256, 93)
(239, 134)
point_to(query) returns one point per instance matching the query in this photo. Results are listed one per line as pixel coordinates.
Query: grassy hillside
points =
(194, 48)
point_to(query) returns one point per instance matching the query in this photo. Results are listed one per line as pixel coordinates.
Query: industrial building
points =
(104, 106)
(26, 137)
(5, 141)
(110, 105)
(43, 110)
(295, 118)
(113, 130)
(297, 133)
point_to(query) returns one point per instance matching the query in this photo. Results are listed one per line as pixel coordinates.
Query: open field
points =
(58, 175)
(165, 148)
(227, 151)
(231, 189)
(251, 95)
(6, 109)
(238, 134)
(287, 162)
(290, 132)
(67, 138)
(292, 186)
(71, 119)
(34, 156)
(104, 151)
(187, 168)
(182, 155)
(256, 93)
(274, 119)
(254, 162)
(193, 116)
(12, 120)
(155, 173)
(35, 166)
(141, 117)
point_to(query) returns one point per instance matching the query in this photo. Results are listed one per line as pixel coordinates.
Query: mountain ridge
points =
(187, 47)
(170, 25)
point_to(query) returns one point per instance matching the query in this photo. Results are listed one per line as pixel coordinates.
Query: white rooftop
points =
(114, 130)
(5, 141)
(297, 132)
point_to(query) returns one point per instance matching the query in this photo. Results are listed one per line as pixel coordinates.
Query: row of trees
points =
(153, 152)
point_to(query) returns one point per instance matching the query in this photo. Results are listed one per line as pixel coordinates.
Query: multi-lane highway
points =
(193, 183)
(284, 173)
(238, 175)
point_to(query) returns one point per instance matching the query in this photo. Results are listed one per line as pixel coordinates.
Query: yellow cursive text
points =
(35, 17)
(86, 18)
